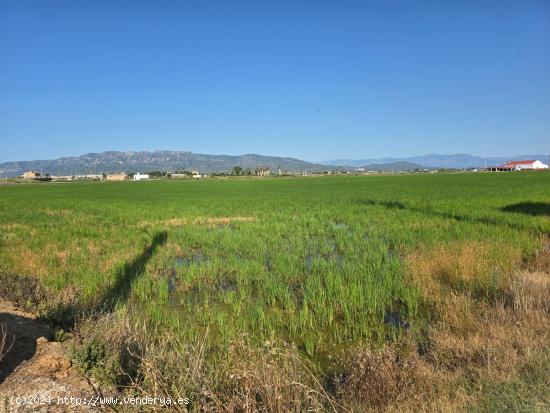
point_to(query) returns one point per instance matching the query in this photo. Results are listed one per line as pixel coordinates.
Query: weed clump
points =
(103, 349)
(376, 379)
(25, 291)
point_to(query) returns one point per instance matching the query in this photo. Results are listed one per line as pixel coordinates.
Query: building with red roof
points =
(526, 164)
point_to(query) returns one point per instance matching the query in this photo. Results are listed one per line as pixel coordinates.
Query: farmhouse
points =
(530, 164)
(140, 177)
(522, 165)
(31, 175)
(116, 177)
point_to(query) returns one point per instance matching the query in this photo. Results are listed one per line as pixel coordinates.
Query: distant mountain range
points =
(439, 161)
(97, 163)
(107, 162)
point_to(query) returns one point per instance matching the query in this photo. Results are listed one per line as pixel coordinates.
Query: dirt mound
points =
(35, 372)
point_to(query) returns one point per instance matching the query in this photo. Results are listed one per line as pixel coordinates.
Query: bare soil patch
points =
(34, 366)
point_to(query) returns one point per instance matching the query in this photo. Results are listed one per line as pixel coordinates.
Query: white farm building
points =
(139, 177)
(523, 165)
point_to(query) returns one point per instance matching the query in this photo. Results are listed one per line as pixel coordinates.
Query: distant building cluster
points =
(140, 177)
(122, 176)
(262, 172)
(31, 175)
(116, 177)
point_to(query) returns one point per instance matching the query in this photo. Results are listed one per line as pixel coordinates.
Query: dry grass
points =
(541, 260)
(473, 344)
(225, 220)
(249, 378)
(178, 222)
(271, 379)
(58, 212)
(379, 380)
(499, 344)
(15, 226)
(462, 267)
(474, 340)
(530, 293)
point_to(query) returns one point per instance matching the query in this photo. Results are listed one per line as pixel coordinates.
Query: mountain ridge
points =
(164, 160)
(169, 160)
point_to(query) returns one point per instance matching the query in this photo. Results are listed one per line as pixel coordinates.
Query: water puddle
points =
(196, 257)
(221, 226)
(309, 263)
(227, 285)
(394, 254)
(268, 264)
(180, 261)
(330, 256)
(172, 281)
(340, 225)
(394, 319)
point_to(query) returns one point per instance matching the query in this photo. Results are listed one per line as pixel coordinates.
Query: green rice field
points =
(323, 265)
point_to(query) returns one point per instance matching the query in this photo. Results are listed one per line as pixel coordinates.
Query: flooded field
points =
(325, 279)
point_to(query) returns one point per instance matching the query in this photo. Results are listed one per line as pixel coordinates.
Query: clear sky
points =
(316, 80)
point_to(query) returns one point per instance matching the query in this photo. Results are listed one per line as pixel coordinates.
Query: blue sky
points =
(313, 79)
